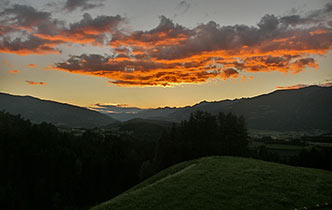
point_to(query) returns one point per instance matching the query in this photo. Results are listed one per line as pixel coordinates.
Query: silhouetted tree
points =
(202, 135)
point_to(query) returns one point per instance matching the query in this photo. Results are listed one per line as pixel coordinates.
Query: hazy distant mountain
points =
(301, 109)
(60, 114)
(282, 110)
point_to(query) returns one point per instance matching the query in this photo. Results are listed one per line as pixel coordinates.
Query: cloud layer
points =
(170, 53)
(25, 30)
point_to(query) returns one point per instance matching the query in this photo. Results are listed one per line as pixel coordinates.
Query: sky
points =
(156, 53)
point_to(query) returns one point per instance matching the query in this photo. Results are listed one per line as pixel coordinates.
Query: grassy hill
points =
(227, 183)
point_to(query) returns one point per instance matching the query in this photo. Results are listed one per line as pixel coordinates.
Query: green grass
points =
(216, 183)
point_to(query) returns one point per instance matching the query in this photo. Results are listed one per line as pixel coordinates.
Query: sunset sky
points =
(154, 53)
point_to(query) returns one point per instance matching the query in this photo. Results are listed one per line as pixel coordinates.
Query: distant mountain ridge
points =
(59, 114)
(302, 109)
(281, 110)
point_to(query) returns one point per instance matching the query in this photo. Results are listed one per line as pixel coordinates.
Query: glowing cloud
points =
(35, 83)
(292, 87)
(13, 71)
(40, 34)
(170, 53)
(31, 65)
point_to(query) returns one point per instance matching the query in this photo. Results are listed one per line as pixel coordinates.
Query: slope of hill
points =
(227, 183)
(59, 114)
(282, 110)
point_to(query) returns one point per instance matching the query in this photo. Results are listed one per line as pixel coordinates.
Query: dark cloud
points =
(71, 5)
(42, 29)
(184, 6)
(23, 16)
(28, 45)
(166, 33)
(294, 20)
(230, 72)
(4, 3)
(87, 30)
(312, 17)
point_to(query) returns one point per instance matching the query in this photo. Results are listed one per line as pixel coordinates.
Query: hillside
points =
(227, 183)
(282, 110)
(59, 114)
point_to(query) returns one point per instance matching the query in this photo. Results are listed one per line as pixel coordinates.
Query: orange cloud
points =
(13, 71)
(35, 83)
(299, 86)
(88, 30)
(44, 33)
(291, 87)
(170, 53)
(31, 65)
(30, 45)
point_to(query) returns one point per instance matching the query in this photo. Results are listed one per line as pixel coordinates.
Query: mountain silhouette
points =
(281, 110)
(60, 114)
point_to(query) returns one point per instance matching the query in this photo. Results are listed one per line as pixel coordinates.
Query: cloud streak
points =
(31, 65)
(13, 71)
(35, 83)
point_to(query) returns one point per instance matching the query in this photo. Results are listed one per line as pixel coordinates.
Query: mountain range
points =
(59, 114)
(281, 110)
(307, 108)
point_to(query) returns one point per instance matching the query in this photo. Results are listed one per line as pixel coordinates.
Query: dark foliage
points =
(317, 157)
(312, 156)
(202, 135)
(42, 168)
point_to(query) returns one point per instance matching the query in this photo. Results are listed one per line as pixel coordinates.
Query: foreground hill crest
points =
(227, 183)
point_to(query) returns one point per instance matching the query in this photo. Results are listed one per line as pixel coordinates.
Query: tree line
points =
(43, 168)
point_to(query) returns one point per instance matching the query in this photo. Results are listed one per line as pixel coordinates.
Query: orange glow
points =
(319, 31)
(167, 56)
(31, 65)
(13, 71)
(149, 41)
(291, 87)
(35, 83)
(38, 51)
(79, 38)
(199, 68)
